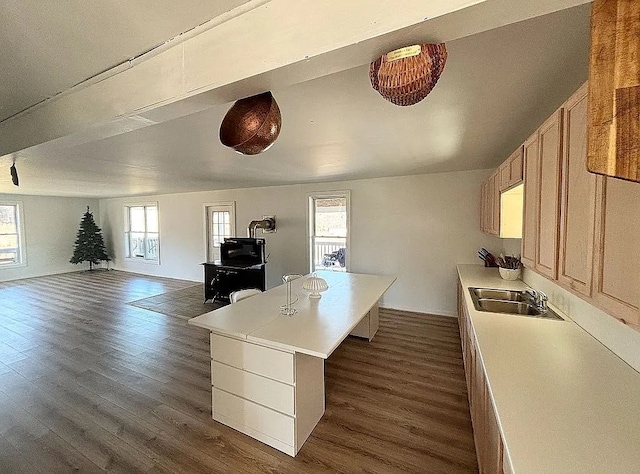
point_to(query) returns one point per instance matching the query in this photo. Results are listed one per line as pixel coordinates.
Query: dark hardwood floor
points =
(90, 383)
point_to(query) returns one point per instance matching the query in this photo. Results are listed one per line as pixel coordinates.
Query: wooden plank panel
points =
(614, 89)
(628, 132)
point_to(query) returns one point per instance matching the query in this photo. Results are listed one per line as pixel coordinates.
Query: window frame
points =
(208, 206)
(127, 232)
(22, 250)
(344, 193)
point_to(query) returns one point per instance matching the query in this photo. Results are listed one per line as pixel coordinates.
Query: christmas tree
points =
(89, 243)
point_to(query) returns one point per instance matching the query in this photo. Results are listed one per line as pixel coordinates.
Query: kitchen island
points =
(545, 395)
(267, 369)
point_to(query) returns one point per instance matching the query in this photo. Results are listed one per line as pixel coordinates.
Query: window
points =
(329, 231)
(141, 233)
(221, 223)
(11, 235)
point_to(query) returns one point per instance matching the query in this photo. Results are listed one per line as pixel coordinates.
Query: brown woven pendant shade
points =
(251, 125)
(405, 76)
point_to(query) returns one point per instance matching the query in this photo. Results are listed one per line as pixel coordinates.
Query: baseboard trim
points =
(447, 314)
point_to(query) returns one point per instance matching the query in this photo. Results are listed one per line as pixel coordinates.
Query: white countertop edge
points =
(336, 279)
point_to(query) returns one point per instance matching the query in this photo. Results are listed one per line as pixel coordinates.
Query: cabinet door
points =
(489, 205)
(530, 219)
(577, 209)
(495, 447)
(483, 206)
(515, 167)
(550, 143)
(495, 204)
(617, 278)
(510, 172)
(479, 414)
(470, 357)
(505, 175)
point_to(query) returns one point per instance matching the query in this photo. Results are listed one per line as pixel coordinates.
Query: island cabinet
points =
(273, 395)
(486, 430)
(267, 368)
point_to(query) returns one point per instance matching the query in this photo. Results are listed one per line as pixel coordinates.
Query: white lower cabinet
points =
(271, 395)
(254, 358)
(250, 415)
(368, 327)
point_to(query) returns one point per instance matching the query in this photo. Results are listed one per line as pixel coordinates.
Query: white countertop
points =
(565, 403)
(316, 329)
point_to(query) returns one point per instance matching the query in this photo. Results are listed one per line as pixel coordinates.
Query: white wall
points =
(414, 227)
(618, 337)
(50, 226)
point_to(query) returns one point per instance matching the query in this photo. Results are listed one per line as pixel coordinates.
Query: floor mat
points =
(184, 303)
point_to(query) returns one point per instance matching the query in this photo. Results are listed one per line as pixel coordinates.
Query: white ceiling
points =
(50, 46)
(498, 85)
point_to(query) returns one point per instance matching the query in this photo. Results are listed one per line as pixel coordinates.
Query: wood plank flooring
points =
(89, 383)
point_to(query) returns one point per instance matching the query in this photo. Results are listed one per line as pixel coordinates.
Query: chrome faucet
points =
(538, 297)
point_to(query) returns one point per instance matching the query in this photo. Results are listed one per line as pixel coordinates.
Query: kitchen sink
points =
(495, 294)
(492, 300)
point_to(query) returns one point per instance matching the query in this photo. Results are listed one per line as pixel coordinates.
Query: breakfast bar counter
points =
(267, 369)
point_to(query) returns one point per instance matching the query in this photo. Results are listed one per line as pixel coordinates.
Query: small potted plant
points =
(509, 267)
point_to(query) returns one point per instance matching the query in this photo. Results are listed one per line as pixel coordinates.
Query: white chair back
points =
(242, 294)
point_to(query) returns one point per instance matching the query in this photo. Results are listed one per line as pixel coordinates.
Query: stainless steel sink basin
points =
(511, 307)
(492, 300)
(495, 294)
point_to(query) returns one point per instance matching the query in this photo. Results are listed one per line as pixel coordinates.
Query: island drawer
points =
(267, 392)
(260, 360)
(253, 416)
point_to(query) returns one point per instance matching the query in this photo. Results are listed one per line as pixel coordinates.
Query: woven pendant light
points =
(405, 76)
(251, 125)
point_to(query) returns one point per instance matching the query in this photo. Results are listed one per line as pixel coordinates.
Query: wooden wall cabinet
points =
(614, 89)
(577, 204)
(616, 287)
(542, 158)
(495, 203)
(548, 192)
(490, 205)
(508, 175)
(530, 217)
(581, 229)
(483, 202)
(511, 170)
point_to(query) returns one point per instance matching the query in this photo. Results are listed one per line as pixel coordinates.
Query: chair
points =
(339, 256)
(238, 295)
